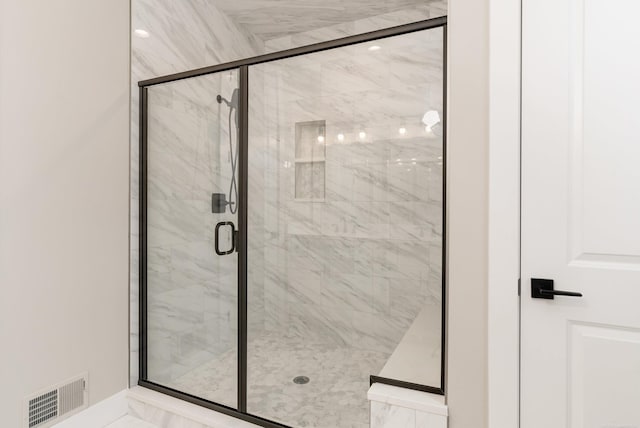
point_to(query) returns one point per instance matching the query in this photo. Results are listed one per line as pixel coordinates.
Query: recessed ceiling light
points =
(374, 48)
(340, 137)
(402, 130)
(362, 135)
(141, 33)
(320, 138)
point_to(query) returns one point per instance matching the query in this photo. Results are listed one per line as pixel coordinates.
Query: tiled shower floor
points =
(335, 397)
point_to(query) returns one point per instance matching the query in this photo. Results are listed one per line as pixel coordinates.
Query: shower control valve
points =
(219, 203)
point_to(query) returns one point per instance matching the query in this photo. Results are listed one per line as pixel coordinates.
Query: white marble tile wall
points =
(275, 19)
(418, 11)
(163, 411)
(393, 407)
(384, 415)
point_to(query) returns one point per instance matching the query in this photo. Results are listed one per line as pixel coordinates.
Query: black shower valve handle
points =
(219, 203)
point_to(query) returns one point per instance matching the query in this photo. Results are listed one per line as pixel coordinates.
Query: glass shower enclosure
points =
(292, 228)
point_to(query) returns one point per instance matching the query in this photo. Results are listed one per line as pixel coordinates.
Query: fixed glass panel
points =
(192, 203)
(345, 227)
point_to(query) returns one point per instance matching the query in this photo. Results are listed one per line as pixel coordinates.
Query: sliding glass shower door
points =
(191, 216)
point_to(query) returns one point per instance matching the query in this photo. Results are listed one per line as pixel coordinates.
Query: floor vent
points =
(47, 407)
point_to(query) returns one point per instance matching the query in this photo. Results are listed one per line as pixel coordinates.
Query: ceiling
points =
(271, 19)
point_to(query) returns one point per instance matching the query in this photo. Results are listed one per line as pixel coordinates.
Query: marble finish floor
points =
(334, 397)
(130, 422)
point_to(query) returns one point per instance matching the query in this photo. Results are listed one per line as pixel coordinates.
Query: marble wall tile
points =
(402, 15)
(318, 324)
(304, 180)
(385, 415)
(429, 420)
(162, 417)
(275, 314)
(270, 20)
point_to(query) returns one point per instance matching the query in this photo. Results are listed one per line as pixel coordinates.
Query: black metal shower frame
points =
(243, 121)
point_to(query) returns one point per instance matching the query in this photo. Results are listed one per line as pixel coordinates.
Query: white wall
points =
(504, 213)
(468, 139)
(64, 170)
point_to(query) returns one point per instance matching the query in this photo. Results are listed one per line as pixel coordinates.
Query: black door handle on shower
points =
(217, 238)
(543, 289)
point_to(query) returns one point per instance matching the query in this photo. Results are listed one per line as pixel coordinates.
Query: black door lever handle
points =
(559, 293)
(543, 289)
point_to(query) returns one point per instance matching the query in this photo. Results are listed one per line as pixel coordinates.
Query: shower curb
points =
(168, 412)
(395, 406)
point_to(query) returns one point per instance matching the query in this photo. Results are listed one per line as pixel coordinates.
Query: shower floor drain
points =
(300, 380)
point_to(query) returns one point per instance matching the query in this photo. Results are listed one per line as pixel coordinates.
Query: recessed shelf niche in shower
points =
(310, 153)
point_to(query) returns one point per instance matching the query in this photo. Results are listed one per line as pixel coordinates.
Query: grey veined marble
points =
(270, 19)
(344, 235)
(334, 397)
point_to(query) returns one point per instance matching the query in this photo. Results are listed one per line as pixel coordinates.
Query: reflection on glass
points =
(191, 291)
(349, 284)
(323, 20)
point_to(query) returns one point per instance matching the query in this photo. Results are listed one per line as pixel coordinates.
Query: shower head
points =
(233, 104)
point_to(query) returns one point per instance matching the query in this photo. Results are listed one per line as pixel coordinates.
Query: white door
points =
(580, 356)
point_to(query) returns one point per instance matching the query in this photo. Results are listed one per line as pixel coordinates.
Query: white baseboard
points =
(100, 414)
